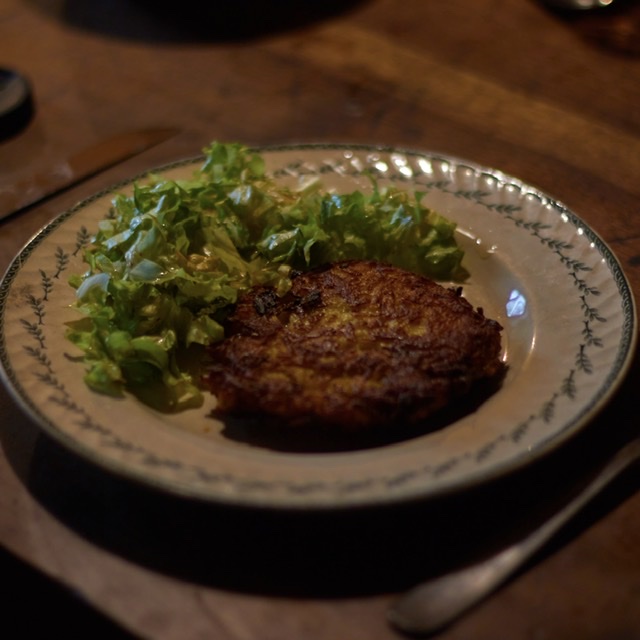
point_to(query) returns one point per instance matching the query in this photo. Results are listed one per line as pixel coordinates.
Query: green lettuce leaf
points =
(168, 263)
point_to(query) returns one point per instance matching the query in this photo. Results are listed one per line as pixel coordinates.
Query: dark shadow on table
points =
(332, 553)
(613, 28)
(66, 611)
(193, 20)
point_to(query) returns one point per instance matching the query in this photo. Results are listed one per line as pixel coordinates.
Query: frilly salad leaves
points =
(168, 263)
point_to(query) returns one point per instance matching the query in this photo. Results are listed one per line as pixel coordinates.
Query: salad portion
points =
(168, 263)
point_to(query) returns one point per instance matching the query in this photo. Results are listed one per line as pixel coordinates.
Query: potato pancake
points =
(355, 345)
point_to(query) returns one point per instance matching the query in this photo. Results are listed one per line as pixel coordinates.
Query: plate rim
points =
(607, 389)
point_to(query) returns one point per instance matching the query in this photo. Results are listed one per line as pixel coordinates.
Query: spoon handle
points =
(577, 5)
(434, 604)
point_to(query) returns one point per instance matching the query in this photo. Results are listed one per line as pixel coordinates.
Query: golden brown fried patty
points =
(355, 344)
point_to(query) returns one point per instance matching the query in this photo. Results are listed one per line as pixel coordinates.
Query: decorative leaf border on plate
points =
(51, 277)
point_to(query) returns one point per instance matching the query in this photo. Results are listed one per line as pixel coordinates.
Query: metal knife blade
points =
(68, 172)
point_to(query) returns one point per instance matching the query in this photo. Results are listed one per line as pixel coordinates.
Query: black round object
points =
(16, 103)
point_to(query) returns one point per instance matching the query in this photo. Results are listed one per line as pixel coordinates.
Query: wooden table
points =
(552, 99)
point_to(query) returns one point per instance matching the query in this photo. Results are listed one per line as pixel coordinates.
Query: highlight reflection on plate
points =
(565, 305)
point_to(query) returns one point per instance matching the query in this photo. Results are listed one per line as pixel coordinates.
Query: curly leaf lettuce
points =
(169, 261)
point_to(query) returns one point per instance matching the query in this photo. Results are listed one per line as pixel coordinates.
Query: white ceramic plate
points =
(569, 333)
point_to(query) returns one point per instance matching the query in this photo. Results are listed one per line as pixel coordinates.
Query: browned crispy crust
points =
(356, 344)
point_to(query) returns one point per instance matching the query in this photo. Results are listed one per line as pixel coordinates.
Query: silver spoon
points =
(432, 605)
(578, 4)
